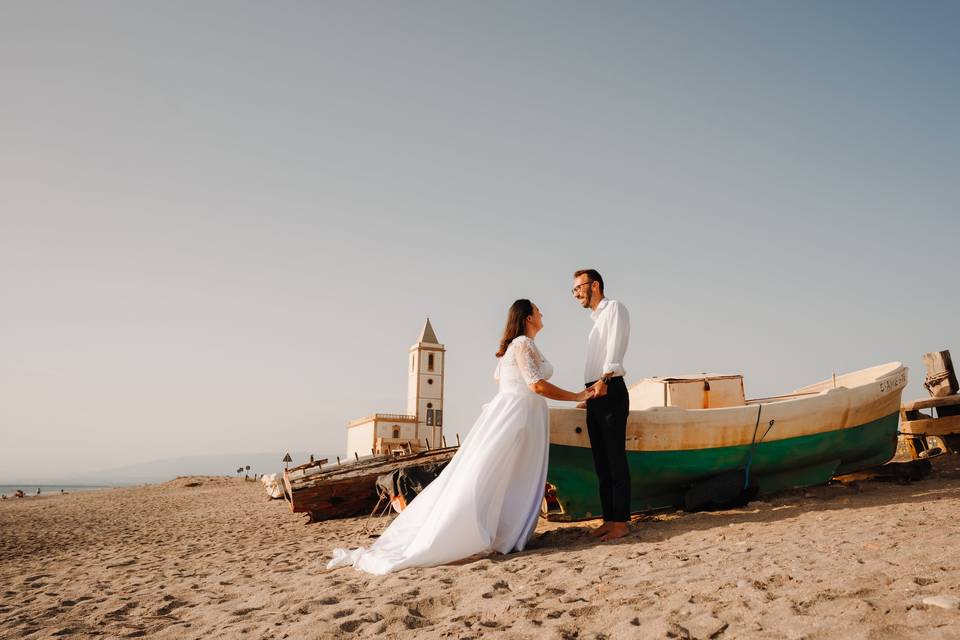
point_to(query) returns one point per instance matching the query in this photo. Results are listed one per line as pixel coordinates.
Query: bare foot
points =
(602, 529)
(616, 530)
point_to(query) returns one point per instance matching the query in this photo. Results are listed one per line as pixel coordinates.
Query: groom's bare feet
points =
(602, 529)
(616, 530)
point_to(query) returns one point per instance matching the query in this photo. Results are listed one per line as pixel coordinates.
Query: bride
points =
(488, 497)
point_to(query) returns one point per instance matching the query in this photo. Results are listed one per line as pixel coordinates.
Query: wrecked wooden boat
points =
(340, 490)
(686, 430)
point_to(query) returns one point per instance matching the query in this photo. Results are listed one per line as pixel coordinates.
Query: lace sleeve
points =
(529, 360)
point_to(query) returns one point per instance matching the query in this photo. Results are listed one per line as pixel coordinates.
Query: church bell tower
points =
(425, 387)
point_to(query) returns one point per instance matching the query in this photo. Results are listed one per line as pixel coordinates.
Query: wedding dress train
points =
(488, 497)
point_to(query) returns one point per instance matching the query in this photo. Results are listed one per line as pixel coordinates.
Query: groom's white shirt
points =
(607, 343)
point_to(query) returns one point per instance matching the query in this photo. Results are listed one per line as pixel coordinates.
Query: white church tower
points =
(385, 433)
(425, 386)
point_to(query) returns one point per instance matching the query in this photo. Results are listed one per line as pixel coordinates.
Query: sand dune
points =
(213, 558)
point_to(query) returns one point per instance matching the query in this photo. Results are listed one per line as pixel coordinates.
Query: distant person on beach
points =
(607, 412)
(488, 498)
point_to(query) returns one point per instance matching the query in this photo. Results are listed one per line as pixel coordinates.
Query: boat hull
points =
(347, 490)
(801, 442)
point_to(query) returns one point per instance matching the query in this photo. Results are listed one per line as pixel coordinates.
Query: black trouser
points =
(607, 428)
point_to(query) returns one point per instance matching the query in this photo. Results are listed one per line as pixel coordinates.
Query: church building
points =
(422, 424)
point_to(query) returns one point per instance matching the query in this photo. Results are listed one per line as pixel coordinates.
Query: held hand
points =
(599, 389)
(587, 394)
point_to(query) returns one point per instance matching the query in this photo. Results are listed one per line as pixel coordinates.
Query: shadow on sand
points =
(944, 481)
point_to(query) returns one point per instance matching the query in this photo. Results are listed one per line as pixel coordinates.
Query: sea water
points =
(48, 489)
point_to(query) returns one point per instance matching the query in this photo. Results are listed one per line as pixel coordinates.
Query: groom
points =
(607, 413)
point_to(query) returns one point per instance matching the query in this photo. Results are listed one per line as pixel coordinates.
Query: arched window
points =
(396, 432)
(430, 362)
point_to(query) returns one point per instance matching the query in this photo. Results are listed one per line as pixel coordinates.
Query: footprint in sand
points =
(352, 625)
(121, 611)
(122, 563)
(170, 606)
(415, 621)
(498, 587)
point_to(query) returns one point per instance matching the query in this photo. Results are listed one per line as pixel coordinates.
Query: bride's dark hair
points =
(520, 310)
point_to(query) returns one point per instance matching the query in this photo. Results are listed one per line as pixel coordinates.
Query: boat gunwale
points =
(670, 428)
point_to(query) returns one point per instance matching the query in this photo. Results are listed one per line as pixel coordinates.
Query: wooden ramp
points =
(941, 429)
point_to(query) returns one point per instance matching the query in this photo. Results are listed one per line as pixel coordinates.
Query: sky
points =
(222, 224)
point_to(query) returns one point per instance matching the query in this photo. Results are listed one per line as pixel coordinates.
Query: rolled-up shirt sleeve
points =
(618, 336)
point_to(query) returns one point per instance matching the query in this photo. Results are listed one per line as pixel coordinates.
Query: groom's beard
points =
(587, 299)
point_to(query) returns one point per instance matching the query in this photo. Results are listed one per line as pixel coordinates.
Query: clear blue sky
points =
(222, 224)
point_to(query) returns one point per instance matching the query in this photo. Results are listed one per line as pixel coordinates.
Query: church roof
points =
(427, 335)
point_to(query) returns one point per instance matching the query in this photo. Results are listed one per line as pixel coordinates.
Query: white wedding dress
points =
(488, 498)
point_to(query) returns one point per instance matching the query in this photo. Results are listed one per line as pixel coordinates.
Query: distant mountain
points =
(163, 470)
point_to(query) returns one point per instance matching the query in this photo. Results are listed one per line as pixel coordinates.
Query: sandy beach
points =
(214, 558)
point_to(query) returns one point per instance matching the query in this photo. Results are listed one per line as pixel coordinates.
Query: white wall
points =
(412, 382)
(407, 429)
(360, 439)
(428, 390)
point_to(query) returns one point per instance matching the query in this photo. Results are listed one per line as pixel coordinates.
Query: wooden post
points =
(941, 380)
(458, 439)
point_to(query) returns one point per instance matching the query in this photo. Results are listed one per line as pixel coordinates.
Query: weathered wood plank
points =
(928, 403)
(932, 426)
(377, 467)
(941, 379)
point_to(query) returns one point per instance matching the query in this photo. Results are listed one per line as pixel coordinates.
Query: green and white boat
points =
(687, 429)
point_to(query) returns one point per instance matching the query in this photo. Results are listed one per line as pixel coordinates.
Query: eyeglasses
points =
(577, 287)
